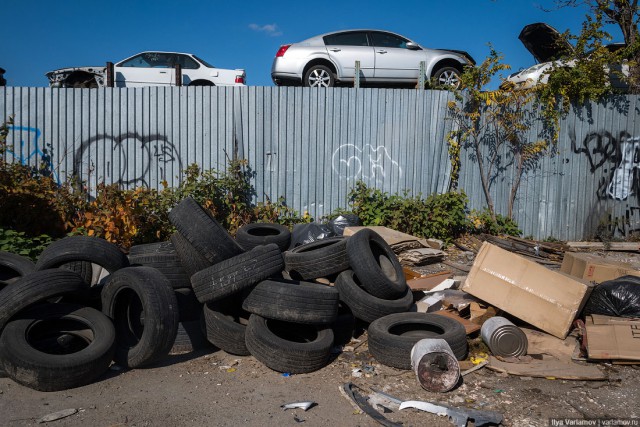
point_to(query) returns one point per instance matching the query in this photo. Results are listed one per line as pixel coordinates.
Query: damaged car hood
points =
(544, 42)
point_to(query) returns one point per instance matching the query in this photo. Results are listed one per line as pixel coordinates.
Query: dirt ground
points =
(217, 389)
(213, 388)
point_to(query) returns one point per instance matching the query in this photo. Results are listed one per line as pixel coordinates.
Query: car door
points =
(145, 69)
(394, 61)
(191, 70)
(346, 48)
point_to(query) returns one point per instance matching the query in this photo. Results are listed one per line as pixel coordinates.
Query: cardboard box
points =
(613, 338)
(596, 268)
(546, 299)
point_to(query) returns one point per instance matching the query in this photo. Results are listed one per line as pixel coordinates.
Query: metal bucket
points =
(504, 338)
(435, 365)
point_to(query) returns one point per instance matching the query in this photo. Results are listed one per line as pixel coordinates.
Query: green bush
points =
(440, 216)
(18, 242)
(481, 222)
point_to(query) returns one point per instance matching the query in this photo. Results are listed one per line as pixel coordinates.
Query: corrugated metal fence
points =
(311, 146)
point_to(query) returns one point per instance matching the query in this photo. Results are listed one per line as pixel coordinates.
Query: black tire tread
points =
(82, 248)
(317, 259)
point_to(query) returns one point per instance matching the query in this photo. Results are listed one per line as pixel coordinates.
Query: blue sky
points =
(38, 36)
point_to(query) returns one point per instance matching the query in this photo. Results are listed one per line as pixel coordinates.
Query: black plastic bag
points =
(343, 221)
(619, 297)
(307, 233)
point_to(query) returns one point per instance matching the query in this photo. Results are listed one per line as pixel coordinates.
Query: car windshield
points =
(205, 63)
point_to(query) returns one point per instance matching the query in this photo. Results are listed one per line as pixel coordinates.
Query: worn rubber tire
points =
(152, 249)
(189, 337)
(83, 268)
(189, 308)
(36, 287)
(143, 306)
(289, 347)
(293, 301)
(13, 266)
(202, 230)
(317, 259)
(251, 235)
(226, 325)
(82, 248)
(237, 273)
(392, 337)
(343, 326)
(57, 368)
(365, 306)
(192, 261)
(167, 264)
(376, 265)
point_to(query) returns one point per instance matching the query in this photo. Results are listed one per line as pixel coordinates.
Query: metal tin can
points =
(504, 338)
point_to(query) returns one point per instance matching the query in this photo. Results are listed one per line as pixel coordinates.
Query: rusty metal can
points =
(435, 365)
(504, 338)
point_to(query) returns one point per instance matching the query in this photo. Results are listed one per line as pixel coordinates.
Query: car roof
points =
(352, 30)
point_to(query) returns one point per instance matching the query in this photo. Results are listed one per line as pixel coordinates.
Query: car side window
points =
(347, 39)
(186, 62)
(388, 40)
(136, 61)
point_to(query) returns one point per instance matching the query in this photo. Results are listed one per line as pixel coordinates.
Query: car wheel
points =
(319, 76)
(447, 76)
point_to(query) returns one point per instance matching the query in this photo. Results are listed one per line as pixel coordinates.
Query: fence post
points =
(110, 77)
(421, 76)
(356, 76)
(178, 75)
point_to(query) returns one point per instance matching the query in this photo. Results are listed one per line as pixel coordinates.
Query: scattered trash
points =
(435, 365)
(503, 337)
(475, 368)
(356, 373)
(479, 358)
(286, 374)
(458, 416)
(231, 370)
(419, 282)
(469, 327)
(115, 367)
(300, 405)
(57, 415)
(360, 403)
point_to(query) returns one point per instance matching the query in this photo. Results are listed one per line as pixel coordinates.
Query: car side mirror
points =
(412, 46)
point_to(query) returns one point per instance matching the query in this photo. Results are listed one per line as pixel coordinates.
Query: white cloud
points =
(269, 29)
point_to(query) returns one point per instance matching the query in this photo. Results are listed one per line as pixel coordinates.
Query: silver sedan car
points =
(385, 58)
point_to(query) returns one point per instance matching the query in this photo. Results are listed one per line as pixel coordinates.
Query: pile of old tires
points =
(84, 304)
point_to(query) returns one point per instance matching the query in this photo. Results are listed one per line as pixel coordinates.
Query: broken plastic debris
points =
(458, 416)
(231, 370)
(286, 374)
(301, 405)
(57, 415)
(356, 373)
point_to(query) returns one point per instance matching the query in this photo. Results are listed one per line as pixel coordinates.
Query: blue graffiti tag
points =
(36, 152)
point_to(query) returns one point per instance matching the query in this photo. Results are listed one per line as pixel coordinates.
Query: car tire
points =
(202, 230)
(14, 266)
(392, 337)
(343, 326)
(144, 310)
(226, 325)
(447, 77)
(167, 264)
(33, 354)
(365, 306)
(82, 248)
(36, 287)
(317, 259)
(152, 249)
(376, 265)
(251, 235)
(319, 76)
(189, 337)
(289, 347)
(192, 261)
(189, 308)
(293, 301)
(236, 274)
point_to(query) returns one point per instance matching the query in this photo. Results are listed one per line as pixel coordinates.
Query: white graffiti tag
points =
(372, 164)
(621, 185)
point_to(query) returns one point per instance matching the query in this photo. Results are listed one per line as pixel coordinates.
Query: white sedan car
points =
(385, 58)
(547, 46)
(150, 69)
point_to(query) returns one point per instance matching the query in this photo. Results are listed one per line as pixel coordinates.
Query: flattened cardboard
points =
(426, 283)
(393, 237)
(546, 299)
(611, 338)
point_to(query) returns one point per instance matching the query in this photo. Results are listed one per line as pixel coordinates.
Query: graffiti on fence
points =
(33, 152)
(128, 159)
(619, 159)
(372, 164)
